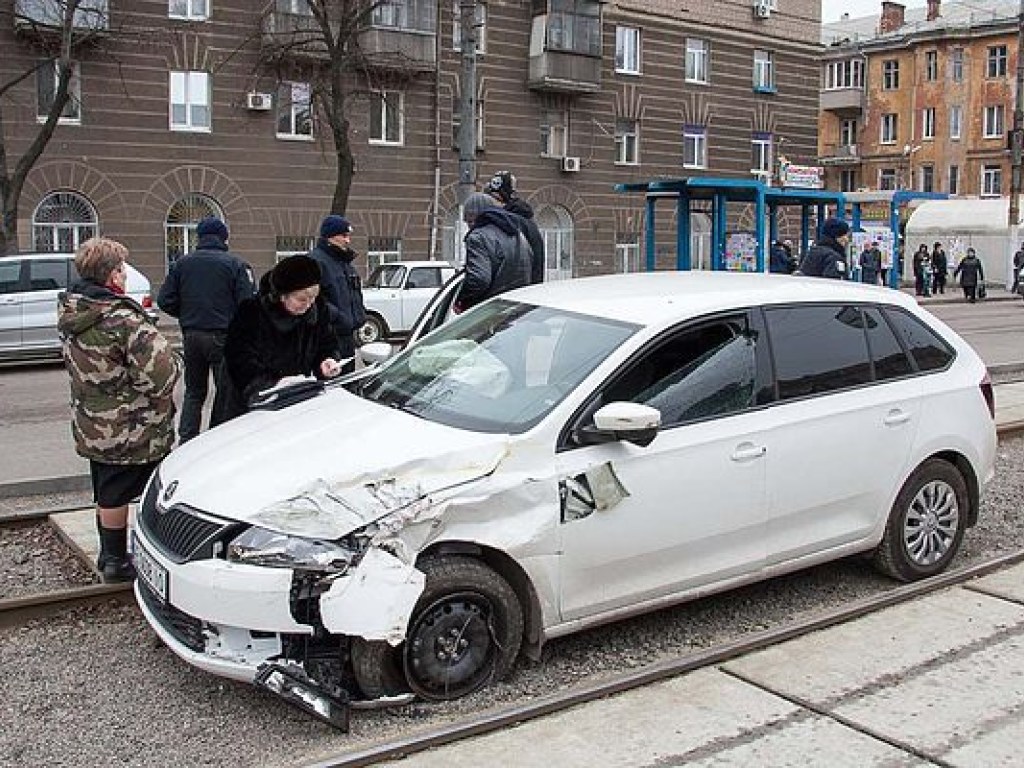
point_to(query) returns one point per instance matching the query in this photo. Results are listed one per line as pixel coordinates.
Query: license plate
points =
(149, 570)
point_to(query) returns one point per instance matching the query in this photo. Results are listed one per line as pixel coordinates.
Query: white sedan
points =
(564, 455)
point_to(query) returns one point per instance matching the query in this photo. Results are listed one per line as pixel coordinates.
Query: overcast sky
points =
(832, 10)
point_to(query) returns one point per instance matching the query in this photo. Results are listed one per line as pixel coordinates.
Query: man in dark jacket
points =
(827, 257)
(502, 187)
(340, 284)
(780, 261)
(203, 290)
(870, 263)
(497, 252)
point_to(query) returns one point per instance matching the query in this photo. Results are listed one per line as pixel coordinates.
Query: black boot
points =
(113, 564)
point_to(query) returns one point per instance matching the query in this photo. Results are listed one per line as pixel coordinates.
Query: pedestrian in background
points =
(827, 256)
(780, 260)
(940, 269)
(922, 268)
(1018, 266)
(122, 373)
(502, 187)
(283, 331)
(971, 275)
(870, 263)
(203, 290)
(498, 256)
(340, 283)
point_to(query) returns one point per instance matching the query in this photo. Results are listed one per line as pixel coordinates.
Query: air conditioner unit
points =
(762, 9)
(258, 102)
(570, 164)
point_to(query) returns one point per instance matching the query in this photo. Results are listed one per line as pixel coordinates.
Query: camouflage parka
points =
(123, 373)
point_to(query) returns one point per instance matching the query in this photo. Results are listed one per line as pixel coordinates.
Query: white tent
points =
(959, 224)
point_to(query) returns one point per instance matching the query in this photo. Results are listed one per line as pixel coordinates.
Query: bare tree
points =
(342, 55)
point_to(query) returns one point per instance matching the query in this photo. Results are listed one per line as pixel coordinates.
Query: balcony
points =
(398, 49)
(565, 53)
(840, 154)
(842, 101)
(47, 16)
(293, 36)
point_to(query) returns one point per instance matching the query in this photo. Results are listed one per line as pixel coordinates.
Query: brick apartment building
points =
(920, 99)
(211, 115)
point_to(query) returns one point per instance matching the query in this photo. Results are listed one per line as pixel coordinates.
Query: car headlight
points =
(259, 546)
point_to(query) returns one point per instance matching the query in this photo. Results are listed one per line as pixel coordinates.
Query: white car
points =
(560, 456)
(396, 293)
(29, 285)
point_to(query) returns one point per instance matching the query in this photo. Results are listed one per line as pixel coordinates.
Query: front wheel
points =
(465, 631)
(374, 329)
(926, 524)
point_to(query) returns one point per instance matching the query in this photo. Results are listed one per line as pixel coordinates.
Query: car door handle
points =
(748, 451)
(896, 417)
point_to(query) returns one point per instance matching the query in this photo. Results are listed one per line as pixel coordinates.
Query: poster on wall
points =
(881, 237)
(741, 252)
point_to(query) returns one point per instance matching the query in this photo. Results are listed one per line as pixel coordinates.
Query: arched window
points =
(556, 228)
(180, 226)
(62, 221)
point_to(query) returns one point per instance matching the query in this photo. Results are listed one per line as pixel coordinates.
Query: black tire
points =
(374, 329)
(465, 631)
(926, 524)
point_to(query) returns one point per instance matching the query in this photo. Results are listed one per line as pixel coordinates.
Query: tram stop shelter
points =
(720, 192)
(893, 205)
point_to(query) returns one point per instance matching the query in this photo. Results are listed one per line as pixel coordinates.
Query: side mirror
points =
(632, 422)
(374, 353)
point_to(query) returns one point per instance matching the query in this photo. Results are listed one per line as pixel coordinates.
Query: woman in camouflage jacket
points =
(123, 373)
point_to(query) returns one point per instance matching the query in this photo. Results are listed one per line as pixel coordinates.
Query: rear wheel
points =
(465, 631)
(374, 329)
(926, 524)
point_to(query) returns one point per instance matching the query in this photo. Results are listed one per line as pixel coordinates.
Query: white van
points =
(29, 285)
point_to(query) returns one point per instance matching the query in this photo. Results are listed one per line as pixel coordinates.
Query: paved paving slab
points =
(1008, 583)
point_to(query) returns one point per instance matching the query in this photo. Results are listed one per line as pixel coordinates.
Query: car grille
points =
(181, 532)
(186, 629)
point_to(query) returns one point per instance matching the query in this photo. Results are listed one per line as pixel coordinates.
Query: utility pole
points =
(1017, 134)
(467, 139)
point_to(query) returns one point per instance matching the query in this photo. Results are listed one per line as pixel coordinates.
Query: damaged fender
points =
(375, 601)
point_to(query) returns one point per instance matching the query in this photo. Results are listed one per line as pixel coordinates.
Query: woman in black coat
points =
(971, 275)
(285, 330)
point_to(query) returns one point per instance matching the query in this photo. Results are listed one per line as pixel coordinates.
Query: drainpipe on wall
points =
(435, 203)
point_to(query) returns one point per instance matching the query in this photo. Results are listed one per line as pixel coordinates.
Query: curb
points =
(64, 484)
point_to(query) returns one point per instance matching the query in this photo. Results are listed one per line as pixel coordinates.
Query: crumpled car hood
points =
(324, 467)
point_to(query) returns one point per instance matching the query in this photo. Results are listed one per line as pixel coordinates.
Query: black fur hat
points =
(294, 273)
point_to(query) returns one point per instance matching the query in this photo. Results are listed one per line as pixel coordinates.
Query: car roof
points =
(651, 298)
(422, 263)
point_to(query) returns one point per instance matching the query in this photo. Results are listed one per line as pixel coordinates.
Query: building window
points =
(63, 221)
(890, 128)
(294, 111)
(928, 123)
(956, 120)
(627, 252)
(844, 74)
(927, 178)
(47, 83)
(479, 23)
(847, 180)
(627, 50)
(697, 69)
(890, 75)
(931, 65)
(695, 147)
(764, 75)
(414, 15)
(956, 64)
(996, 61)
(991, 180)
(383, 250)
(192, 10)
(457, 122)
(180, 225)
(954, 179)
(574, 26)
(993, 121)
(190, 101)
(292, 245)
(627, 142)
(554, 134)
(761, 155)
(848, 132)
(887, 179)
(386, 110)
(556, 228)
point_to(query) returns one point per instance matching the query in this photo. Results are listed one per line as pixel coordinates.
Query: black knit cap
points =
(294, 273)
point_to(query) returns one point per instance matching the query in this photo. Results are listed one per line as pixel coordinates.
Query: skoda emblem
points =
(169, 490)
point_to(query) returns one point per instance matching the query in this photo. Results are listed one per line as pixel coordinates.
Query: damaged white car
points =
(564, 455)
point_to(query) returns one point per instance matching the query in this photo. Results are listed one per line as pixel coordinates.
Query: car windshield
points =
(386, 276)
(500, 368)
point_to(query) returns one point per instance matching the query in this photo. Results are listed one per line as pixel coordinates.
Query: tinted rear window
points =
(929, 351)
(890, 360)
